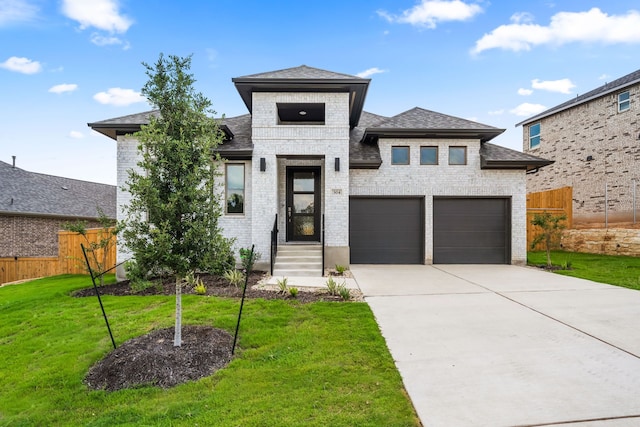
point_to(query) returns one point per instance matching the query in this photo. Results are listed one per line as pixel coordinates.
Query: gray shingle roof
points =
(301, 72)
(24, 192)
(496, 157)
(363, 155)
(419, 118)
(614, 86)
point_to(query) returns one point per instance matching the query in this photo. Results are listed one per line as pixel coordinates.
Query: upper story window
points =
(234, 188)
(428, 155)
(400, 155)
(300, 113)
(457, 155)
(534, 135)
(623, 101)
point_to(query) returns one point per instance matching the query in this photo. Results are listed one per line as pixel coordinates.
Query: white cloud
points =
(526, 109)
(428, 13)
(76, 135)
(604, 77)
(496, 112)
(369, 72)
(119, 97)
(21, 65)
(524, 92)
(560, 86)
(16, 11)
(565, 27)
(65, 87)
(100, 14)
(100, 40)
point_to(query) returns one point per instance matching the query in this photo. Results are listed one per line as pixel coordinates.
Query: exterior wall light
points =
(263, 164)
(337, 164)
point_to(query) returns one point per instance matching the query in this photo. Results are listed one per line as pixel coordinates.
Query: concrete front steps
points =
(299, 261)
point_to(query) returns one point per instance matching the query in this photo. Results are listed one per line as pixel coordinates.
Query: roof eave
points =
(365, 164)
(483, 134)
(513, 164)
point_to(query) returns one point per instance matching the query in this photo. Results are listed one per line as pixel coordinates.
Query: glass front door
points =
(303, 204)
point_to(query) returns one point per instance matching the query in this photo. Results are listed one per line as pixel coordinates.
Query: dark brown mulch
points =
(153, 360)
(216, 286)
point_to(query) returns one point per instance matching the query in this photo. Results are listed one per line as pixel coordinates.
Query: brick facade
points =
(27, 236)
(593, 145)
(445, 180)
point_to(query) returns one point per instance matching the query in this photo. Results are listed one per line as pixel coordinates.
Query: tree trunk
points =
(177, 337)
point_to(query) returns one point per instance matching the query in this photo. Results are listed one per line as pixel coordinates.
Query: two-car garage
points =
(466, 230)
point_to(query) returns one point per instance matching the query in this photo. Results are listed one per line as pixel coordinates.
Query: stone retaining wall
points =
(610, 241)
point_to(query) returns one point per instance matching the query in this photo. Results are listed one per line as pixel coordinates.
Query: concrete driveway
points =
(500, 345)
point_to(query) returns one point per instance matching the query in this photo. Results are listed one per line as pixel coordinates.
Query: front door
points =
(303, 204)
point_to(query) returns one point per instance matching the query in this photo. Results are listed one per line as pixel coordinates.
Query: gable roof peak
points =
(302, 72)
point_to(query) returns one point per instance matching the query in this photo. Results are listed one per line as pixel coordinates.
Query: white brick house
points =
(594, 140)
(419, 187)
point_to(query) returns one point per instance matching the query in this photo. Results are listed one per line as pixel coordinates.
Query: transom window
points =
(623, 101)
(457, 155)
(234, 186)
(428, 155)
(400, 155)
(534, 135)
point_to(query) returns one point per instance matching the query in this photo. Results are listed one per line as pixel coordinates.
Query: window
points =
(302, 113)
(428, 155)
(235, 188)
(457, 155)
(534, 135)
(399, 155)
(623, 101)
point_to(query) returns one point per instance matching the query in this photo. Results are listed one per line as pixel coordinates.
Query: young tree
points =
(172, 219)
(97, 250)
(551, 231)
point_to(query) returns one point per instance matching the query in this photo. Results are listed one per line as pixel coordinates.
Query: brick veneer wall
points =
(592, 129)
(25, 236)
(446, 180)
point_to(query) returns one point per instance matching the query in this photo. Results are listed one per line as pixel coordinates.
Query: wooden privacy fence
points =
(556, 202)
(69, 260)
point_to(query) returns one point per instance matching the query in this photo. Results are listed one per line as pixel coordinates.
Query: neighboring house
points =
(418, 187)
(594, 140)
(34, 206)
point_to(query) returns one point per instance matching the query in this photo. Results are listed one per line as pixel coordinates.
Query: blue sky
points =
(66, 63)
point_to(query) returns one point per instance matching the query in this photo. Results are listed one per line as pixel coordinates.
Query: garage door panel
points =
(385, 230)
(471, 230)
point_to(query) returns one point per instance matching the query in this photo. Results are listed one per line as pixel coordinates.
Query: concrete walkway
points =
(509, 346)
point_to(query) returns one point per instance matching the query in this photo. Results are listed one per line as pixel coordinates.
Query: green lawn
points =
(616, 270)
(321, 364)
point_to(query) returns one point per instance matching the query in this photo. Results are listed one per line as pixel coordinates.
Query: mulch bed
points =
(216, 286)
(152, 359)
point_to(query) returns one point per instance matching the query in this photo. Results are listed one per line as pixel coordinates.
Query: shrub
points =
(234, 277)
(282, 285)
(332, 286)
(293, 292)
(344, 292)
(340, 269)
(200, 288)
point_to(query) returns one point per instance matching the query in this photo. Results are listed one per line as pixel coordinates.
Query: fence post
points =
(606, 205)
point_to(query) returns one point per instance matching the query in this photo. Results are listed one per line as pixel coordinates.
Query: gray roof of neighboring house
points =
(614, 86)
(29, 193)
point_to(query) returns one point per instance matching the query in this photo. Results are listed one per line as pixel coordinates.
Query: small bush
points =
(234, 277)
(344, 292)
(340, 269)
(293, 292)
(282, 285)
(332, 286)
(566, 265)
(200, 288)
